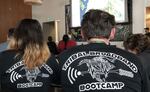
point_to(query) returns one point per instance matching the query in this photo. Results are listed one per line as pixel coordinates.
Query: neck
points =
(98, 40)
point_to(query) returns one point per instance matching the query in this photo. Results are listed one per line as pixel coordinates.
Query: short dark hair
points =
(138, 42)
(11, 32)
(50, 38)
(97, 23)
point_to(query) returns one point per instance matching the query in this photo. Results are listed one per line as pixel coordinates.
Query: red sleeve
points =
(60, 46)
(71, 43)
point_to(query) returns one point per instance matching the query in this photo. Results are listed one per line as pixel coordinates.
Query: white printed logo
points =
(30, 75)
(99, 66)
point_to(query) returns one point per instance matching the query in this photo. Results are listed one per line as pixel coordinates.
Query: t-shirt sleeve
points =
(56, 71)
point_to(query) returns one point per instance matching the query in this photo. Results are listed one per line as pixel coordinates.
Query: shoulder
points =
(71, 51)
(61, 41)
(8, 52)
(52, 60)
(3, 46)
(6, 57)
(72, 41)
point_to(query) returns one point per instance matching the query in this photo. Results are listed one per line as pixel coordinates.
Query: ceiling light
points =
(33, 2)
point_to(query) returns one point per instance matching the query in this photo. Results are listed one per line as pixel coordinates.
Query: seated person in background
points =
(148, 35)
(28, 65)
(98, 66)
(136, 43)
(139, 44)
(65, 43)
(146, 30)
(52, 46)
(4, 45)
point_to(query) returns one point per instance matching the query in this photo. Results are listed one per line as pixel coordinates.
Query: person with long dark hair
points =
(66, 43)
(4, 45)
(27, 66)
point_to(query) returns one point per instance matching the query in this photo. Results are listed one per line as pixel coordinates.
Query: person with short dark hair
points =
(136, 43)
(4, 45)
(52, 46)
(27, 66)
(99, 66)
(139, 44)
(146, 30)
(10, 32)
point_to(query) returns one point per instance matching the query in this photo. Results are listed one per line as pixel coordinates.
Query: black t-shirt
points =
(97, 67)
(15, 77)
(145, 59)
(52, 47)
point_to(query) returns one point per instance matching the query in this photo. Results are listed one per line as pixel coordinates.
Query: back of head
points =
(65, 38)
(50, 39)
(97, 23)
(146, 30)
(136, 42)
(28, 38)
(10, 32)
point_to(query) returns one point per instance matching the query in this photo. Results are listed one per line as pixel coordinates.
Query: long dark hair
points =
(65, 39)
(28, 38)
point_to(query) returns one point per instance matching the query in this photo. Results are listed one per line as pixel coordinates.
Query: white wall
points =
(138, 16)
(55, 9)
(51, 10)
(147, 3)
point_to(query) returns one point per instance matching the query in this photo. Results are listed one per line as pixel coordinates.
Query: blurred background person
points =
(52, 46)
(4, 45)
(136, 43)
(28, 65)
(139, 44)
(146, 30)
(148, 34)
(66, 43)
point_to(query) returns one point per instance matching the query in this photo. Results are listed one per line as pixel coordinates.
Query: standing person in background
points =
(65, 43)
(28, 65)
(52, 46)
(4, 45)
(98, 66)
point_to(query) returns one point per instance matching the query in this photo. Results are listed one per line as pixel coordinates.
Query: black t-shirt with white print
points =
(15, 77)
(97, 67)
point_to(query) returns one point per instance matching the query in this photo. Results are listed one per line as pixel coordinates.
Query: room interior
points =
(52, 12)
